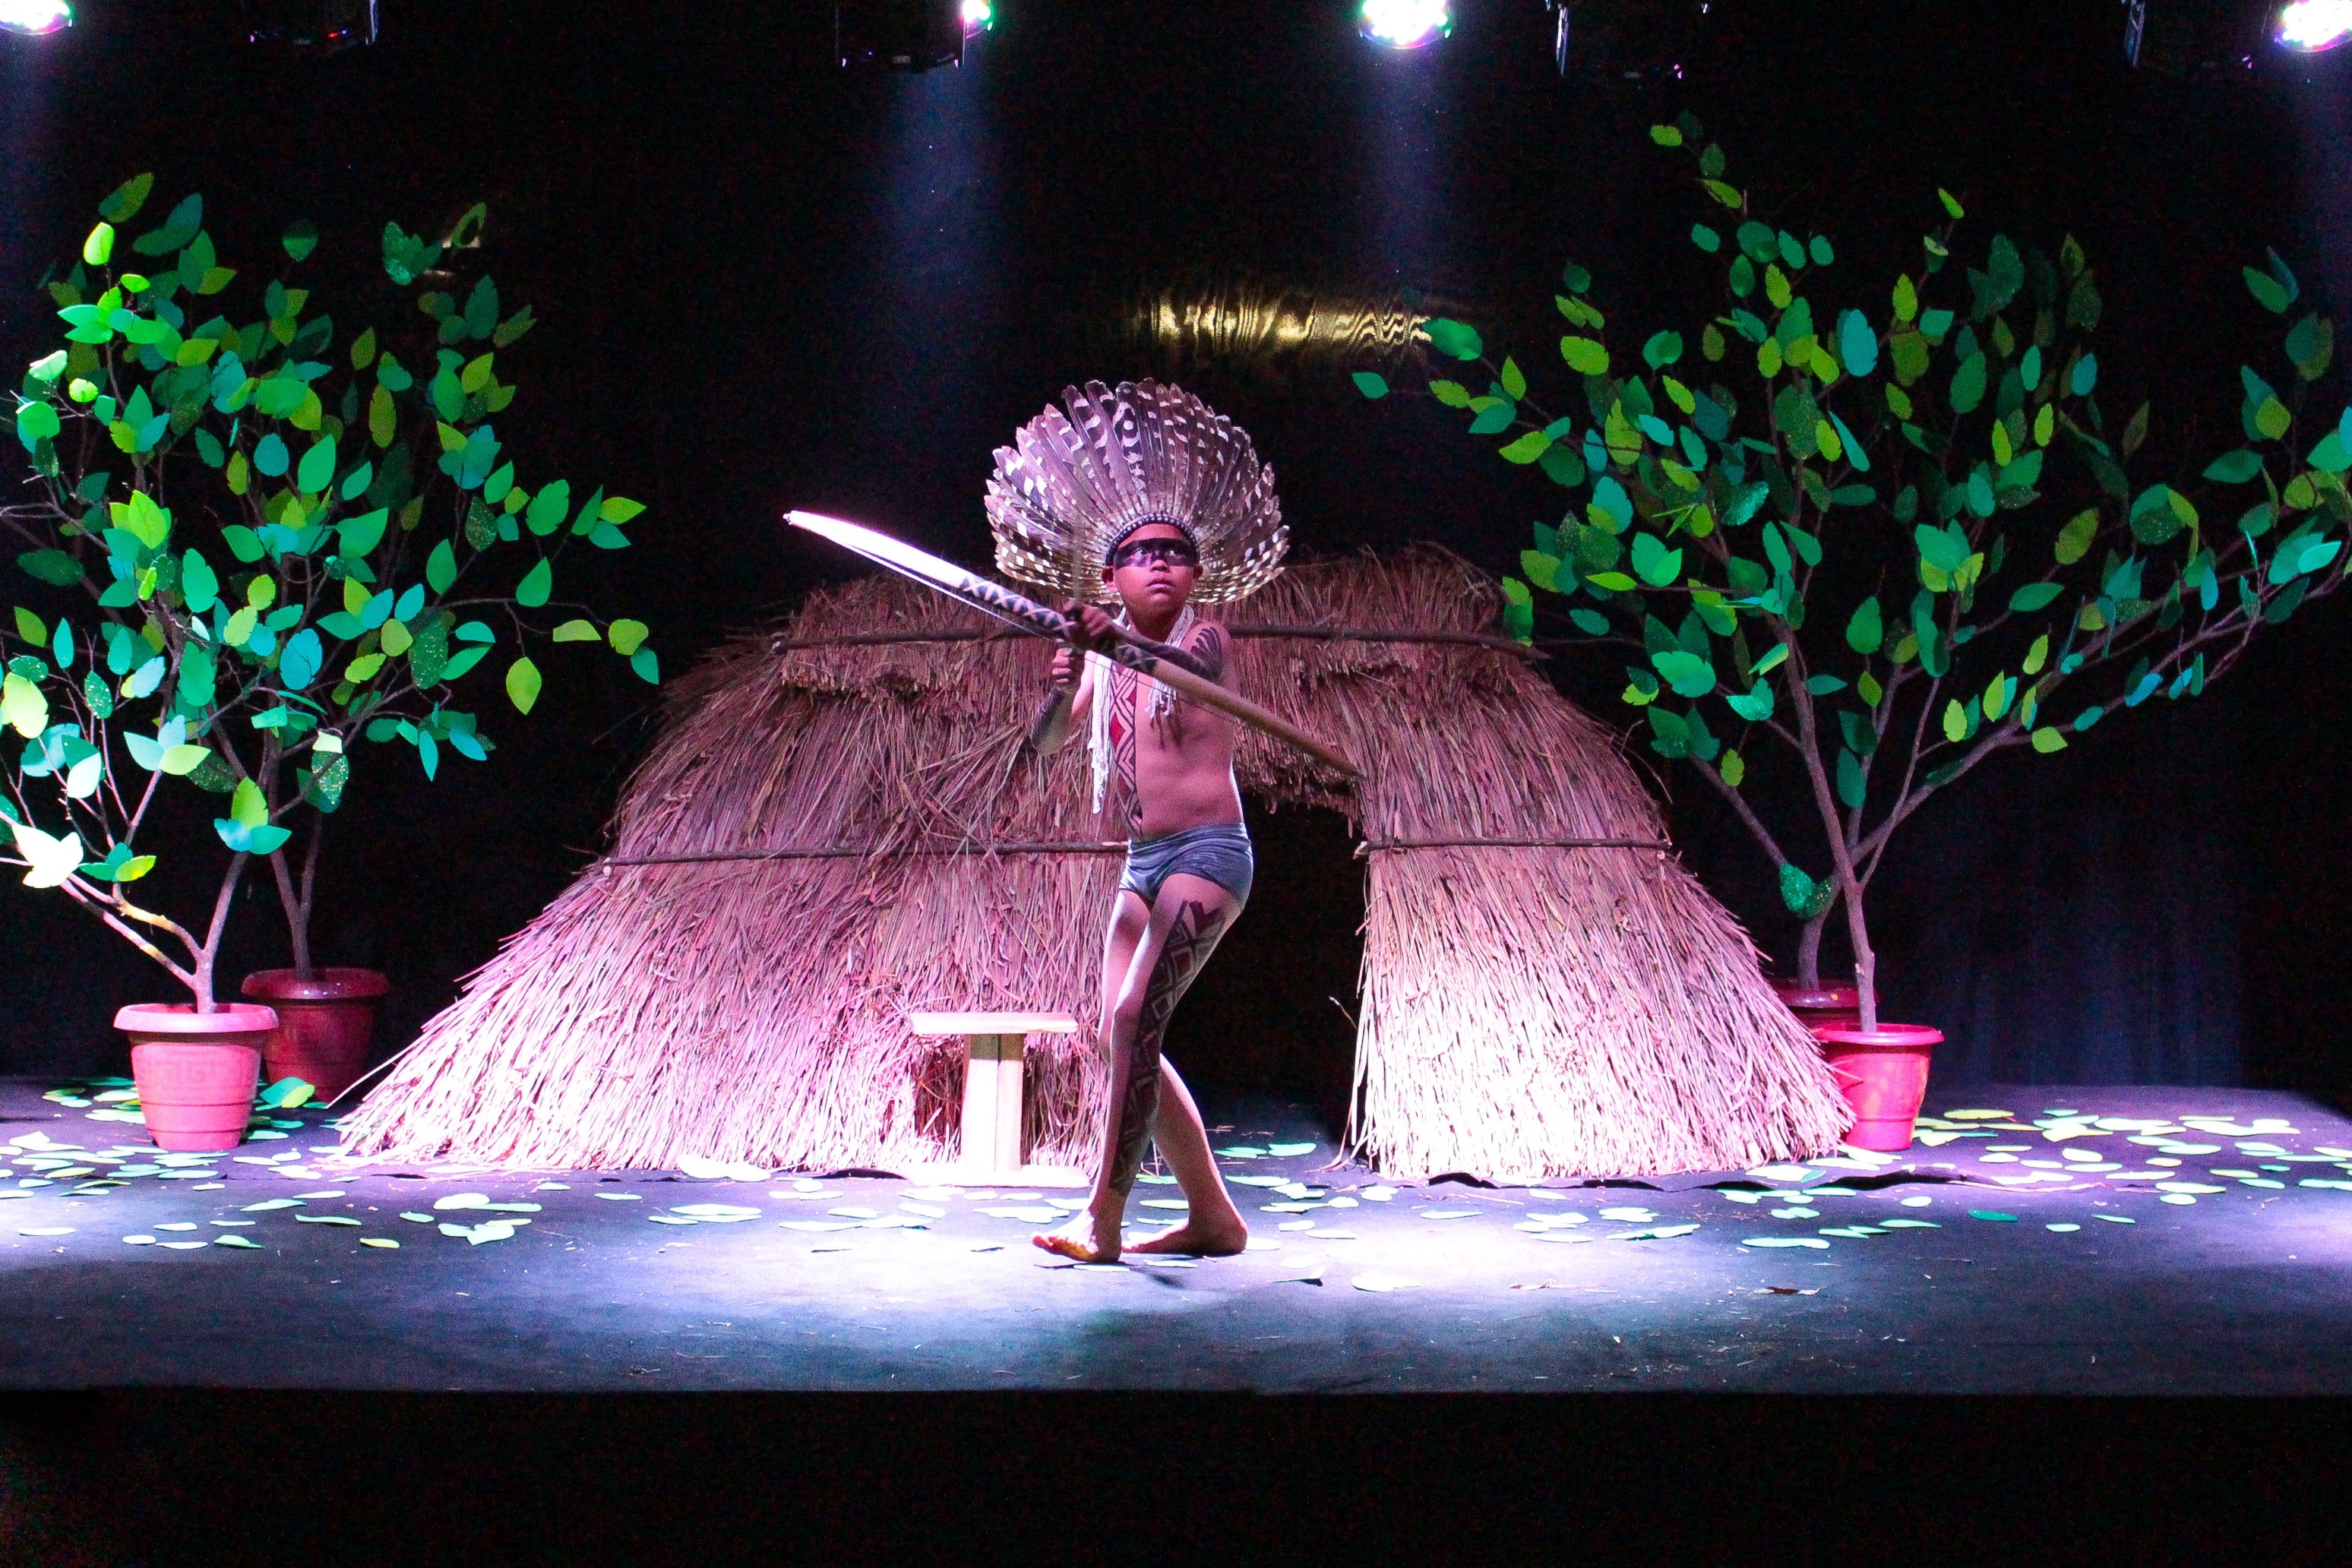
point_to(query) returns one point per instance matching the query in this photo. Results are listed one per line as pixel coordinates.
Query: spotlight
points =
(35, 16)
(310, 26)
(905, 35)
(1406, 23)
(2310, 26)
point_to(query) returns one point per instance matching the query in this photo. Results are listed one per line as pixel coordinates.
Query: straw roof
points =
(1525, 1011)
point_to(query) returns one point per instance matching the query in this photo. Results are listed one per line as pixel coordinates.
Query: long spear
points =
(995, 599)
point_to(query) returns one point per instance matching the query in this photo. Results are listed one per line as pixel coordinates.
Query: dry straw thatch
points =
(1525, 1011)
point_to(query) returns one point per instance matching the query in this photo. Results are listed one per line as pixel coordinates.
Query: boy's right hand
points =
(1065, 668)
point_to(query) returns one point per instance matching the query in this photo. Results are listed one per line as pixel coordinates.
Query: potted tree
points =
(266, 578)
(1886, 532)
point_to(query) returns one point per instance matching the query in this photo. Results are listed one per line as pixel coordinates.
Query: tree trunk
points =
(1809, 953)
(1865, 961)
(208, 955)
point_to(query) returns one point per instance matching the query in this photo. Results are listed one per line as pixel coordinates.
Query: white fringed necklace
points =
(1156, 700)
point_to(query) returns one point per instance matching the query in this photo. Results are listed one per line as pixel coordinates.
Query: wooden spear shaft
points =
(1209, 694)
(1029, 616)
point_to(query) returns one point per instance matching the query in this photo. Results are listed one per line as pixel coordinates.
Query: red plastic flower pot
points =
(1883, 1075)
(325, 1024)
(1822, 1005)
(196, 1072)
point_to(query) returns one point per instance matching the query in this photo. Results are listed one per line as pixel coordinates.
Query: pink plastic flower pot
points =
(325, 1024)
(1823, 1006)
(196, 1072)
(1883, 1075)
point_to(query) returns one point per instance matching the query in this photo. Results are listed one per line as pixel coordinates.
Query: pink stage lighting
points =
(2311, 25)
(979, 16)
(35, 16)
(1406, 23)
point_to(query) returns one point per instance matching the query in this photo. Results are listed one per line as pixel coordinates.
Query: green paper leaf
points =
(1454, 339)
(2234, 468)
(122, 204)
(2033, 597)
(523, 683)
(1867, 632)
(1371, 385)
(536, 585)
(1527, 448)
(1584, 355)
(302, 237)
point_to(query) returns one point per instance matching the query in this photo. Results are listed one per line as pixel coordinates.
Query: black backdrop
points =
(764, 285)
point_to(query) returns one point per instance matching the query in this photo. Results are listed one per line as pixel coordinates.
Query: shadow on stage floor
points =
(205, 1476)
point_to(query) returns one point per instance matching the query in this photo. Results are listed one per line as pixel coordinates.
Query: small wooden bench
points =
(992, 1094)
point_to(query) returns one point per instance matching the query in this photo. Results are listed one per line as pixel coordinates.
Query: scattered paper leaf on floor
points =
(622, 1197)
(1978, 1115)
(1261, 1243)
(1032, 1216)
(419, 1218)
(1454, 1214)
(679, 1219)
(819, 1225)
(186, 1245)
(325, 1219)
(1629, 1215)
(1992, 1215)
(176, 1224)
(378, 1241)
(1811, 1241)
(2184, 1199)
(47, 1230)
(329, 1192)
(1908, 1225)
(1657, 1233)
(1287, 1151)
(1384, 1283)
(1380, 1195)
(2115, 1219)
(853, 1211)
(234, 1241)
(719, 1213)
(704, 1170)
(266, 1204)
(139, 1241)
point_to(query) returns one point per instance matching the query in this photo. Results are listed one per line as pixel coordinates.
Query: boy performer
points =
(1144, 499)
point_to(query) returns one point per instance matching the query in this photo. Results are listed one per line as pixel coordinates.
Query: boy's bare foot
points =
(1203, 1237)
(1080, 1241)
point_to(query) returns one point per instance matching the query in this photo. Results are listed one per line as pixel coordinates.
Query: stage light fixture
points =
(905, 35)
(310, 26)
(34, 17)
(2309, 26)
(1406, 23)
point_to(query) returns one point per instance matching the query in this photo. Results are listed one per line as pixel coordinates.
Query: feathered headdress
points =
(1071, 487)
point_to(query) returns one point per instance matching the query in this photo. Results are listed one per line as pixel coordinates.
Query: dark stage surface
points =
(2243, 1290)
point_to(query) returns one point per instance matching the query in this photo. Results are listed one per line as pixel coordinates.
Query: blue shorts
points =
(1218, 853)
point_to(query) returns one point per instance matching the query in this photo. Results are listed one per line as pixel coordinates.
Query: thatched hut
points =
(1545, 989)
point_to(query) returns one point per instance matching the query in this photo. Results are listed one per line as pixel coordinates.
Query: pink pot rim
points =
(182, 1018)
(329, 985)
(1885, 1037)
(1829, 994)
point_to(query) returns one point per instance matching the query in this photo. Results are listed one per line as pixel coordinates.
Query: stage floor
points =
(2007, 1270)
